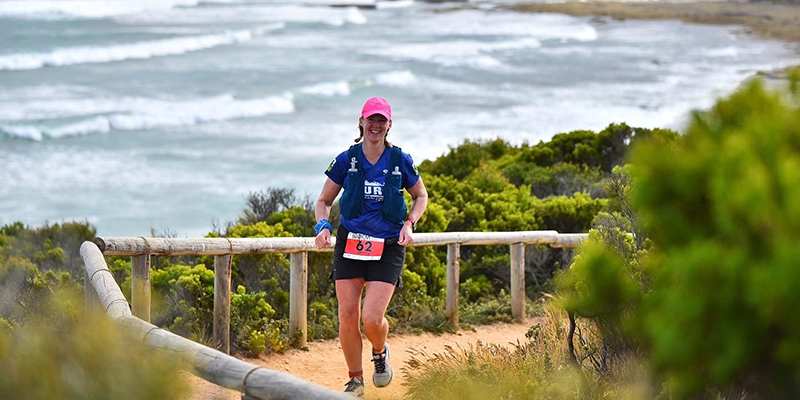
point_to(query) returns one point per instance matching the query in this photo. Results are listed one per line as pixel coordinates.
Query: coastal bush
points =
(723, 207)
(487, 201)
(490, 308)
(188, 300)
(27, 290)
(560, 179)
(493, 186)
(255, 330)
(323, 320)
(605, 149)
(262, 204)
(53, 247)
(568, 214)
(461, 160)
(709, 306)
(185, 306)
(265, 272)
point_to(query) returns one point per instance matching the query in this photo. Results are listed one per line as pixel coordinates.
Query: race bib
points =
(363, 247)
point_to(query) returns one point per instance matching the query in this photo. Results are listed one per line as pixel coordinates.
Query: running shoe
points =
(383, 368)
(355, 387)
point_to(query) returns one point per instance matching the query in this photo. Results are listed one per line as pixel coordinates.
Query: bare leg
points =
(376, 301)
(348, 292)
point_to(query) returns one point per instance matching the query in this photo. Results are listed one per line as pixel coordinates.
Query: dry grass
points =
(537, 369)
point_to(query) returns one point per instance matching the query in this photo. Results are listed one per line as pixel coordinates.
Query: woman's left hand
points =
(405, 236)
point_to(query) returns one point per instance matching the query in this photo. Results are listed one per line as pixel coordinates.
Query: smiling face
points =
(375, 127)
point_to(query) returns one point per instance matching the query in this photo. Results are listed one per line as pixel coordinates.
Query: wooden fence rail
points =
(141, 249)
(103, 293)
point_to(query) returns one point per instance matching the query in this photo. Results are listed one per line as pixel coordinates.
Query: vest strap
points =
(394, 205)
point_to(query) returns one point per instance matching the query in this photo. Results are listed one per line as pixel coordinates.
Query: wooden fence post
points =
(298, 297)
(451, 299)
(140, 286)
(222, 303)
(518, 281)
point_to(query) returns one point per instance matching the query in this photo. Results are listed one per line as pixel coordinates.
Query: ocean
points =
(165, 114)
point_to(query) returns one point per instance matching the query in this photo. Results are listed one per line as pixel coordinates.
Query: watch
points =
(413, 224)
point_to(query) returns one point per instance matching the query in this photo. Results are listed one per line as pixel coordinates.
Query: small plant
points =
(255, 343)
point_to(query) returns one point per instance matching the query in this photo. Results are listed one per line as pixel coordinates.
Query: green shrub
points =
(568, 214)
(323, 320)
(486, 310)
(711, 305)
(560, 179)
(188, 300)
(26, 292)
(51, 247)
(460, 161)
(251, 314)
(723, 205)
(255, 343)
(474, 288)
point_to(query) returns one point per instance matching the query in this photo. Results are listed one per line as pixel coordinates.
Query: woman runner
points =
(372, 236)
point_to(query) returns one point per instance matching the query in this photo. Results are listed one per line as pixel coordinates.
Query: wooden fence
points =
(217, 366)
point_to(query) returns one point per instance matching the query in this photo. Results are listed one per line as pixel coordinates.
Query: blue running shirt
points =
(371, 220)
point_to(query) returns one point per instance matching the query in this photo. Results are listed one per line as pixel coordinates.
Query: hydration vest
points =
(394, 204)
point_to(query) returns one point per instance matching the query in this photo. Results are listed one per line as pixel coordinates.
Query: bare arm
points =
(322, 210)
(419, 201)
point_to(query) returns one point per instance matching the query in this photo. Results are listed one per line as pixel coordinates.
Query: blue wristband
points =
(323, 224)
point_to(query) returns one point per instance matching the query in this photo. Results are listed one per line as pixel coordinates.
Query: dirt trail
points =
(324, 364)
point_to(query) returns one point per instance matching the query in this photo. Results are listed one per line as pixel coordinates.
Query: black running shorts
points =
(388, 269)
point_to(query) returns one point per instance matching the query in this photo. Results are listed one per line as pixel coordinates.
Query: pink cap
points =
(377, 105)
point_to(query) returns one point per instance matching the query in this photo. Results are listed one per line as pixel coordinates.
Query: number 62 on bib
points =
(363, 247)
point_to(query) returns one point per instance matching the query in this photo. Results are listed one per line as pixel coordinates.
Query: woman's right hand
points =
(323, 239)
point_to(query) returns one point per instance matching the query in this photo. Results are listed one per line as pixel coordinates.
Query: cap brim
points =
(370, 113)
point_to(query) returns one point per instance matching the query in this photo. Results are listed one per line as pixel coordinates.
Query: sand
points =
(324, 364)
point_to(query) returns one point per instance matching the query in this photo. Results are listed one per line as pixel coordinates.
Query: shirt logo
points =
(416, 171)
(373, 191)
(330, 167)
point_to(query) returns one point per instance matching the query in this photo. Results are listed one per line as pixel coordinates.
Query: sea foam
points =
(394, 4)
(84, 9)
(140, 114)
(456, 53)
(509, 24)
(327, 89)
(248, 13)
(130, 51)
(396, 78)
(22, 132)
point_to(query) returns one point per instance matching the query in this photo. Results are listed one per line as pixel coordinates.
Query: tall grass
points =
(537, 369)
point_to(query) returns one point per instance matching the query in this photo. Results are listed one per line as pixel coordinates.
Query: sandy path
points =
(324, 364)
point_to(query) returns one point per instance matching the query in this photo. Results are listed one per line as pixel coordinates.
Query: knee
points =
(348, 316)
(372, 321)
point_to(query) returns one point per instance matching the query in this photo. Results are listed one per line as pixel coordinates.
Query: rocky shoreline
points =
(766, 20)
